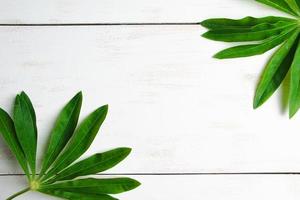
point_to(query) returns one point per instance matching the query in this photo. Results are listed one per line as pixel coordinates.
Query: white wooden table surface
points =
(187, 116)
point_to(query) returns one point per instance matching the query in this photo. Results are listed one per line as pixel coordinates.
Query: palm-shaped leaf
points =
(267, 33)
(66, 145)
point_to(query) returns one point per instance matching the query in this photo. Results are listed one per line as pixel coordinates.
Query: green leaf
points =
(26, 130)
(94, 164)
(276, 70)
(96, 186)
(77, 195)
(66, 145)
(280, 5)
(63, 130)
(254, 49)
(8, 132)
(80, 141)
(268, 32)
(247, 22)
(298, 3)
(293, 5)
(256, 33)
(294, 97)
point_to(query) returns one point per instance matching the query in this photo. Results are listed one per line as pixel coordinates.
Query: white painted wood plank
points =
(189, 187)
(179, 109)
(130, 11)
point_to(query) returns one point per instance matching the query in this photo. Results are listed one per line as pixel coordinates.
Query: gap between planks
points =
(106, 24)
(184, 174)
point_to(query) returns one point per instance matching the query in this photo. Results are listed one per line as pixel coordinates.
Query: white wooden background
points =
(188, 117)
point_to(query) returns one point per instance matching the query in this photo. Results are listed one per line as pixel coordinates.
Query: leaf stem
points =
(18, 193)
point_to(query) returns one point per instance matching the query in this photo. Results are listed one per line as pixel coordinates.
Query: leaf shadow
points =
(6, 154)
(284, 91)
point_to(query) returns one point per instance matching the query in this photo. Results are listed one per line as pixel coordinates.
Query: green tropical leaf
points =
(80, 141)
(262, 35)
(67, 144)
(94, 164)
(294, 97)
(276, 70)
(8, 133)
(63, 130)
(96, 186)
(256, 33)
(254, 49)
(298, 3)
(245, 23)
(77, 195)
(293, 5)
(280, 5)
(26, 130)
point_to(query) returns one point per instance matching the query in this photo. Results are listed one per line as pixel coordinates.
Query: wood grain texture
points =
(179, 109)
(130, 11)
(191, 187)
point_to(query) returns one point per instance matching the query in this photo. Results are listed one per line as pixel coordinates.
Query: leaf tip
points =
(203, 23)
(134, 183)
(255, 106)
(126, 150)
(79, 95)
(257, 101)
(23, 93)
(205, 35)
(292, 112)
(17, 99)
(137, 183)
(218, 56)
(105, 107)
(24, 96)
